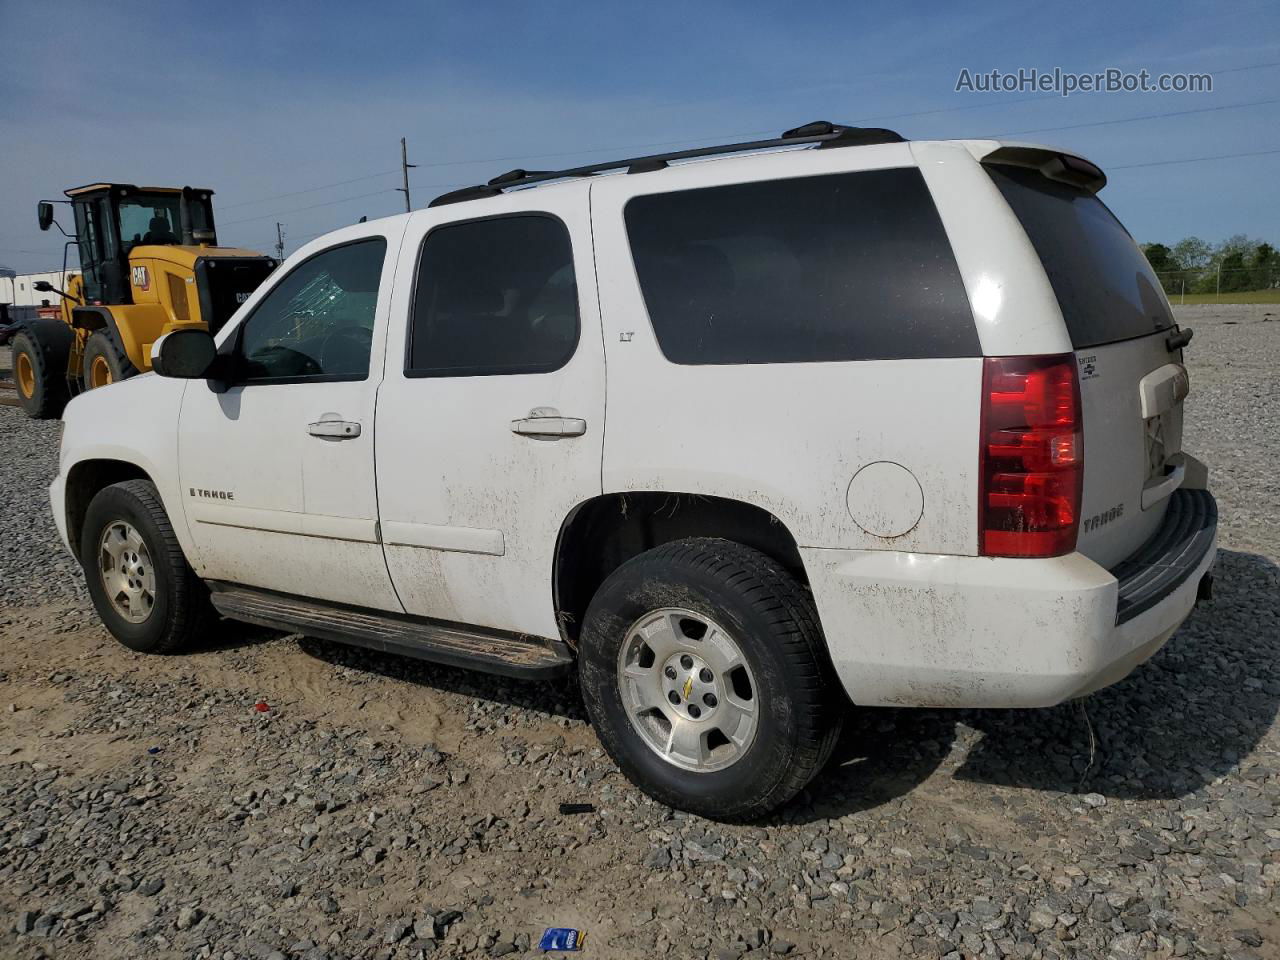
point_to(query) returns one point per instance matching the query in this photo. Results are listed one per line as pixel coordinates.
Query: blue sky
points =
(260, 101)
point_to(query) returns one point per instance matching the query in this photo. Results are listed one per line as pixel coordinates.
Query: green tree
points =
(1264, 267)
(1235, 276)
(1166, 268)
(1160, 257)
(1192, 253)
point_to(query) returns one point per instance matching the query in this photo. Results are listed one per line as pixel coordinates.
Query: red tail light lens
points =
(1032, 453)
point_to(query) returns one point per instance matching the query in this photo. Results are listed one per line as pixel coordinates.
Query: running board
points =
(455, 645)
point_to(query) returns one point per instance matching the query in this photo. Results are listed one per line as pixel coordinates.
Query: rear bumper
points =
(910, 629)
(1171, 556)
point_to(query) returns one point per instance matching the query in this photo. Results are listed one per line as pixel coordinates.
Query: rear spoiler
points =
(1052, 164)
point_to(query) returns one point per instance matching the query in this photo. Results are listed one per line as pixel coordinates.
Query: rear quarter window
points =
(852, 266)
(1106, 289)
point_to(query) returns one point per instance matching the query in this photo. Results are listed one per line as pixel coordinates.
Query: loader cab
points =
(113, 218)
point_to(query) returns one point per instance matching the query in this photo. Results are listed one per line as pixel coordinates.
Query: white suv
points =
(743, 435)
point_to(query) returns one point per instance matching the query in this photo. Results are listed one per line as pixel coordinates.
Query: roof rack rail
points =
(821, 132)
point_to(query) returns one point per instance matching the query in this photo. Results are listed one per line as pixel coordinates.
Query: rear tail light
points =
(1032, 457)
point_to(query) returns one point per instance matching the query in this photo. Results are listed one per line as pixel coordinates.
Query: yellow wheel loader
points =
(149, 264)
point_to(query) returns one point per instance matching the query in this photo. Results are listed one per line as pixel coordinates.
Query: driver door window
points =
(317, 323)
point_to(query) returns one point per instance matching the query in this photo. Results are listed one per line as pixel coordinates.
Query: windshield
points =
(155, 218)
(1104, 285)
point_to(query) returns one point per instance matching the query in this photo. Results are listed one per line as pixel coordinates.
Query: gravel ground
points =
(385, 808)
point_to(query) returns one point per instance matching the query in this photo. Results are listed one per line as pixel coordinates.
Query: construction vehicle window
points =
(494, 296)
(90, 248)
(317, 323)
(149, 220)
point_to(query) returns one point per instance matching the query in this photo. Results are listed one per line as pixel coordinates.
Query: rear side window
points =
(1104, 285)
(851, 266)
(494, 296)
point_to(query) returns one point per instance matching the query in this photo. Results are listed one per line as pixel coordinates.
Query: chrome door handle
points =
(334, 429)
(543, 423)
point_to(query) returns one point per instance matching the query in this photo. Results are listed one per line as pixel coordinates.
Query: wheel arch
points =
(602, 533)
(84, 480)
(122, 328)
(93, 319)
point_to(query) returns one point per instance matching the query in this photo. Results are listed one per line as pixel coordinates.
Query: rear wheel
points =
(705, 675)
(140, 583)
(41, 385)
(105, 361)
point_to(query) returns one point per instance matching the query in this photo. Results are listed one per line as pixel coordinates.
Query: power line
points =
(1220, 156)
(759, 133)
(1149, 116)
(1252, 66)
(294, 193)
(666, 143)
(313, 206)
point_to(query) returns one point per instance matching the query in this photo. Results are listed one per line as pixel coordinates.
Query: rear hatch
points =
(1132, 381)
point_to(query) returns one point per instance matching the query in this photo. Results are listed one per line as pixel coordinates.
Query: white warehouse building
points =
(19, 289)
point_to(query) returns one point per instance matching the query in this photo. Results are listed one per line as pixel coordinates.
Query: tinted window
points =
(153, 219)
(317, 321)
(1105, 287)
(852, 266)
(494, 296)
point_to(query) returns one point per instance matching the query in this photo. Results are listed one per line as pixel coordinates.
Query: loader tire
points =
(105, 361)
(39, 369)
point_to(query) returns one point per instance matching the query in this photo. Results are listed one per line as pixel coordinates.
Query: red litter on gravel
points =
(262, 706)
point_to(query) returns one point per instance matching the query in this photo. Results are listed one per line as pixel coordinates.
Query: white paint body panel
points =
(305, 511)
(910, 629)
(471, 510)
(109, 425)
(1013, 304)
(1115, 446)
(786, 437)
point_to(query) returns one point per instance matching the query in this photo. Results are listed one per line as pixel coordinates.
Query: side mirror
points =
(44, 213)
(43, 286)
(183, 354)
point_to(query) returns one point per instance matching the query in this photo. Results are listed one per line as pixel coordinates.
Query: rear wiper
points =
(1178, 340)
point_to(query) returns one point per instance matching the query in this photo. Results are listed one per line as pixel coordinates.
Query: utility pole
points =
(405, 167)
(1218, 294)
(279, 241)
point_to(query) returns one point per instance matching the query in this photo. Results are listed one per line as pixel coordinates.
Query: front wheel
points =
(139, 580)
(705, 675)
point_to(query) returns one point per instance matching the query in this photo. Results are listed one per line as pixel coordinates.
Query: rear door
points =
(491, 416)
(1132, 380)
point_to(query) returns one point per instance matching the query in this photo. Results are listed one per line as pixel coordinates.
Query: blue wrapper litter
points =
(561, 938)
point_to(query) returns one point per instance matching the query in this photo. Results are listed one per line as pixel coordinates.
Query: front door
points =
(277, 471)
(491, 414)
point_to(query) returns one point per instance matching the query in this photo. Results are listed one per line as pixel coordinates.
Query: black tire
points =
(43, 351)
(103, 344)
(774, 623)
(181, 613)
